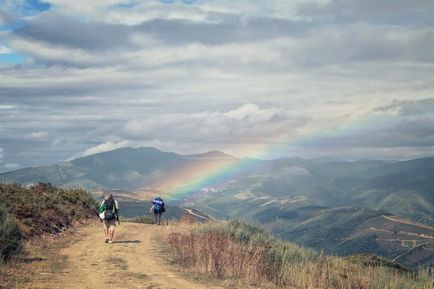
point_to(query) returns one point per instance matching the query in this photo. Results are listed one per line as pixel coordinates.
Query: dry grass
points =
(245, 254)
(37, 264)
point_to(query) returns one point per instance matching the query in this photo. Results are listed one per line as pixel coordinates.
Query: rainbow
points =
(200, 175)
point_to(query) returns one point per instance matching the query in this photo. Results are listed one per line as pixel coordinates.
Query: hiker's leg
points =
(158, 218)
(112, 229)
(106, 229)
(155, 214)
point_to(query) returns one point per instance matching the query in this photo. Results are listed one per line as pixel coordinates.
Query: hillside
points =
(267, 262)
(324, 203)
(30, 213)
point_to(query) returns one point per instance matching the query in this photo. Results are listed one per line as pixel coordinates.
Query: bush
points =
(44, 208)
(10, 236)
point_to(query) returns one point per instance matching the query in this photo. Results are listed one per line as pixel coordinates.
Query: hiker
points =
(158, 208)
(109, 214)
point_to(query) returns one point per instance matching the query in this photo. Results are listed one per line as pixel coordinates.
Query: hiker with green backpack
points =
(109, 214)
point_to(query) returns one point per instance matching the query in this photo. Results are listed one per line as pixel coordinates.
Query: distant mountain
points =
(403, 188)
(125, 168)
(324, 203)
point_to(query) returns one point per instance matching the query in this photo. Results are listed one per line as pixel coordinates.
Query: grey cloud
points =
(309, 44)
(425, 106)
(5, 18)
(232, 30)
(382, 131)
(172, 83)
(62, 30)
(212, 127)
(422, 128)
(364, 43)
(69, 93)
(410, 108)
(100, 36)
(398, 12)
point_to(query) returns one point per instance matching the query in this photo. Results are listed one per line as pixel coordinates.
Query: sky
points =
(342, 78)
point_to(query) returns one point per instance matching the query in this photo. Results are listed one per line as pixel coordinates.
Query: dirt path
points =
(406, 222)
(132, 261)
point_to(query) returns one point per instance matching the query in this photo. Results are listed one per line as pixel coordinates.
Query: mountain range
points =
(342, 207)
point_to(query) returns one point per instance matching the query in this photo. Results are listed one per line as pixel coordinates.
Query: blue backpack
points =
(158, 206)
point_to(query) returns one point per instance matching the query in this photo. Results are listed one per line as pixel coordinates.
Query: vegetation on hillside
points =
(245, 254)
(10, 236)
(37, 210)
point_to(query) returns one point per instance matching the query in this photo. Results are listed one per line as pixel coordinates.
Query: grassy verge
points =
(245, 254)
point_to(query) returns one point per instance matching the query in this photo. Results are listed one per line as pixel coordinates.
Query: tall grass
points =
(245, 254)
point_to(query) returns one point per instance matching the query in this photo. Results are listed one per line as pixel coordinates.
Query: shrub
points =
(44, 208)
(10, 236)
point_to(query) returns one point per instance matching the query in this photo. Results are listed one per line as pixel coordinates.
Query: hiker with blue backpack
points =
(109, 214)
(158, 209)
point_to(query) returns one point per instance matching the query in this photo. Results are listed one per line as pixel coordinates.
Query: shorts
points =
(109, 225)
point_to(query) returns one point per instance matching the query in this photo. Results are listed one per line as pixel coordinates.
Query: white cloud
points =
(6, 106)
(251, 111)
(104, 147)
(11, 166)
(38, 135)
(5, 50)
(245, 124)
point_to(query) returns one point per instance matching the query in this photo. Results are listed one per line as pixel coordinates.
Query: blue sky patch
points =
(12, 58)
(12, 25)
(38, 5)
(26, 8)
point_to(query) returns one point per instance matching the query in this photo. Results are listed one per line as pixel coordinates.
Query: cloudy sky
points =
(345, 78)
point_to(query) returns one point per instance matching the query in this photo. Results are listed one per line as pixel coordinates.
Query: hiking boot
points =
(106, 240)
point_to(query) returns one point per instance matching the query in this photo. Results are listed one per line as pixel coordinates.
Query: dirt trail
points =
(132, 261)
(406, 222)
